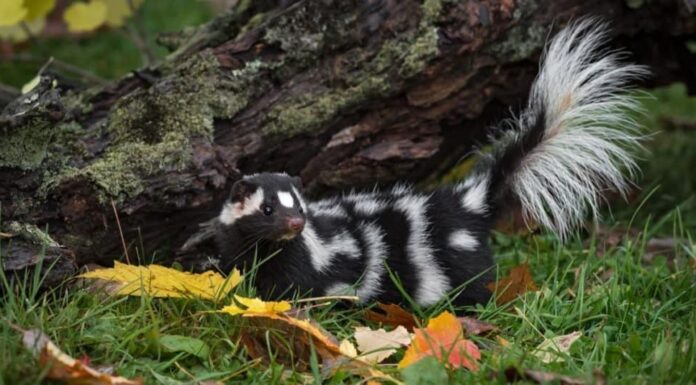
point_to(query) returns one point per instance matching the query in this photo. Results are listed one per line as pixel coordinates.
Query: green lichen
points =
(419, 52)
(431, 9)
(151, 130)
(119, 173)
(31, 233)
(310, 113)
(25, 146)
(400, 58)
(521, 40)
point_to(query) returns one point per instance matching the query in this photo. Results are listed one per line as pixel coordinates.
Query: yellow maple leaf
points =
(37, 9)
(12, 12)
(160, 281)
(85, 17)
(256, 306)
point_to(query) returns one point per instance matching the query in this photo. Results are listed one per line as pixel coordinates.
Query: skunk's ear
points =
(297, 182)
(241, 190)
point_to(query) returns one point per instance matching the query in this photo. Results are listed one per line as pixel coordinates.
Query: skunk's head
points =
(266, 206)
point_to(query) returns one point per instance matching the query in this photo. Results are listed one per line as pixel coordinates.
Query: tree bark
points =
(342, 93)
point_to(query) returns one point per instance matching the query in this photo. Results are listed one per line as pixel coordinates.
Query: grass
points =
(638, 323)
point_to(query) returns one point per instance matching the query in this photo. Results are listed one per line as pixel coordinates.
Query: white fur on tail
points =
(588, 138)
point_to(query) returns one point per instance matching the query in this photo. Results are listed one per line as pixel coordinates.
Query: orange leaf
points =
(393, 315)
(65, 368)
(444, 339)
(517, 282)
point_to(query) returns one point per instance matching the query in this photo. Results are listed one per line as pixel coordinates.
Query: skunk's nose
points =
(296, 224)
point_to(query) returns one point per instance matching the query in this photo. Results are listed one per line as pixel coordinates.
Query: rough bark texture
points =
(343, 93)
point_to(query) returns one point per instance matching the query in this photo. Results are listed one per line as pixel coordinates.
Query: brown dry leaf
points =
(160, 281)
(473, 326)
(65, 368)
(291, 337)
(392, 315)
(539, 377)
(517, 282)
(376, 346)
(551, 349)
(395, 315)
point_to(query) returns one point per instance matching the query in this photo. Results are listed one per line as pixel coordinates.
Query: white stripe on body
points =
(371, 284)
(433, 284)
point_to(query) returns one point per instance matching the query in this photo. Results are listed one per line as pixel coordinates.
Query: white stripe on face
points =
(286, 199)
(232, 211)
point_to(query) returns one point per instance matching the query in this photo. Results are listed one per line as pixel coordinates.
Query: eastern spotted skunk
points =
(571, 142)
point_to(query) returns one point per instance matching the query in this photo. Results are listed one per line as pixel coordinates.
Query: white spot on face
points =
(232, 211)
(433, 284)
(463, 240)
(286, 199)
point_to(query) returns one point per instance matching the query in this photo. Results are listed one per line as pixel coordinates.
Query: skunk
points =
(573, 141)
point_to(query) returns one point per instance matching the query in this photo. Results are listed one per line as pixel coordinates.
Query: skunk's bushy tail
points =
(574, 140)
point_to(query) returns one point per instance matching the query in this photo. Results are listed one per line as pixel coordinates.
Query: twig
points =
(66, 67)
(27, 30)
(120, 231)
(137, 34)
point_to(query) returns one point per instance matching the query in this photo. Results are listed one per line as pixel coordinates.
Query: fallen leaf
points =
(392, 315)
(539, 377)
(515, 284)
(85, 17)
(376, 346)
(256, 306)
(65, 368)
(160, 281)
(553, 349)
(348, 349)
(474, 326)
(444, 339)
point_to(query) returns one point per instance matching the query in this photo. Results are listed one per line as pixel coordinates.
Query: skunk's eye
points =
(268, 210)
(301, 211)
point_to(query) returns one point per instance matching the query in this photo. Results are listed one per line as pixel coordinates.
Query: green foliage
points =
(109, 53)
(638, 323)
(428, 371)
